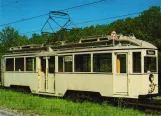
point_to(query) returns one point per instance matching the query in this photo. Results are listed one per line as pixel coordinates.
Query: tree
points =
(9, 38)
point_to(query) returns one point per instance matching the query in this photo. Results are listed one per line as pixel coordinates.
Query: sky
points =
(14, 10)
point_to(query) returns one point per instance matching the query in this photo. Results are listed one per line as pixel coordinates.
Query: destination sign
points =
(150, 52)
(68, 58)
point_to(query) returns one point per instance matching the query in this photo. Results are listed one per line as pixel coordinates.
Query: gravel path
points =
(14, 112)
(4, 112)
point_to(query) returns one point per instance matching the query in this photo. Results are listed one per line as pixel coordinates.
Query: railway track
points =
(146, 105)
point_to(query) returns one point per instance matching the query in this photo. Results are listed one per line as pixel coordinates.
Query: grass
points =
(60, 107)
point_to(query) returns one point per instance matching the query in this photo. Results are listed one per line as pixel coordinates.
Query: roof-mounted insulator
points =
(15, 48)
(80, 41)
(26, 47)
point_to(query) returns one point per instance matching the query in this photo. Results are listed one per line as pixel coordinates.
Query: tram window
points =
(43, 64)
(102, 62)
(82, 63)
(150, 64)
(136, 62)
(19, 64)
(65, 63)
(68, 63)
(10, 64)
(60, 64)
(52, 64)
(30, 64)
(121, 63)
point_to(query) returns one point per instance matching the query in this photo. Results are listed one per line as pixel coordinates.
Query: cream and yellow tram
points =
(122, 66)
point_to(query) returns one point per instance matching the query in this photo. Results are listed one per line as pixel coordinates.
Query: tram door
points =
(47, 81)
(121, 77)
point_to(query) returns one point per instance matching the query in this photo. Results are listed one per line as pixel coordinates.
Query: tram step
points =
(46, 93)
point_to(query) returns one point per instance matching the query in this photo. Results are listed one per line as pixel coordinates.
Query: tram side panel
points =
(138, 85)
(149, 86)
(101, 83)
(21, 79)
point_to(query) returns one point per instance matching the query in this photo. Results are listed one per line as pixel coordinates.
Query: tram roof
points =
(119, 42)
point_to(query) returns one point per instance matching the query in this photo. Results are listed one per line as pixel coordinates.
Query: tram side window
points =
(60, 64)
(102, 62)
(65, 63)
(68, 63)
(136, 62)
(52, 64)
(10, 64)
(19, 64)
(83, 63)
(30, 64)
(150, 64)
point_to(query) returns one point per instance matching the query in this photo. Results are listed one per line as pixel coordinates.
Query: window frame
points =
(25, 63)
(154, 56)
(63, 61)
(140, 62)
(13, 63)
(75, 63)
(103, 53)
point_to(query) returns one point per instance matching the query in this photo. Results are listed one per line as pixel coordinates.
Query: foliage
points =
(9, 37)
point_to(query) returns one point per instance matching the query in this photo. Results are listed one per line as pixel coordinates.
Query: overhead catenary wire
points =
(107, 18)
(87, 4)
(90, 21)
(71, 8)
(23, 20)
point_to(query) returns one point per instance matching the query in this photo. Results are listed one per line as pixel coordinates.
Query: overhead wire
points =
(87, 4)
(108, 18)
(23, 20)
(74, 7)
(90, 21)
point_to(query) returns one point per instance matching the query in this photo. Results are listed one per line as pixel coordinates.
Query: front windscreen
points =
(150, 64)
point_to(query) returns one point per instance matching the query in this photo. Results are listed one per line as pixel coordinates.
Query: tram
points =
(112, 65)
